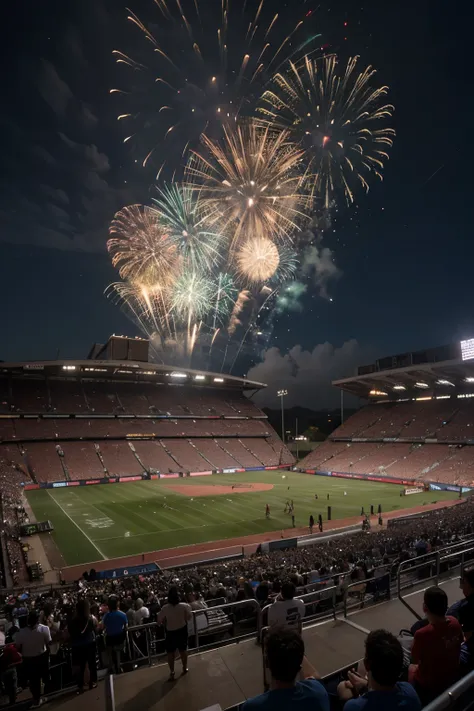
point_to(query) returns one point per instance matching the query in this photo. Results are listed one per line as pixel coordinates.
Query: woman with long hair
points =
(176, 615)
(82, 629)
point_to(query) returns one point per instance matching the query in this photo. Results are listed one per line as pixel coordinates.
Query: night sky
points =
(404, 253)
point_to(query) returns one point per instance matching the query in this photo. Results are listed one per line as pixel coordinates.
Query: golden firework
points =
(257, 259)
(140, 246)
(336, 115)
(255, 180)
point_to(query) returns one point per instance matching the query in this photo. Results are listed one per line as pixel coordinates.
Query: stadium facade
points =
(77, 422)
(418, 425)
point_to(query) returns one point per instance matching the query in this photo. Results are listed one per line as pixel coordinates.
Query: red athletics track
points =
(173, 557)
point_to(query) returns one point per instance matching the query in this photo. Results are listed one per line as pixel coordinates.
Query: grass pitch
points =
(108, 521)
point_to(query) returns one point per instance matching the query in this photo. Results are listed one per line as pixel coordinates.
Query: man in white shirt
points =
(286, 611)
(142, 613)
(33, 641)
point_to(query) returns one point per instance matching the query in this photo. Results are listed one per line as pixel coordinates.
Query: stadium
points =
(122, 476)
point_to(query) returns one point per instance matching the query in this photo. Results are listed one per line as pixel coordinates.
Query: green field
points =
(108, 521)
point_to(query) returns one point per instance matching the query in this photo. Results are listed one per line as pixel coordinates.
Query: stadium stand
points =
(73, 426)
(186, 456)
(132, 398)
(67, 397)
(213, 453)
(100, 398)
(118, 459)
(44, 462)
(82, 461)
(154, 457)
(29, 396)
(434, 414)
(240, 453)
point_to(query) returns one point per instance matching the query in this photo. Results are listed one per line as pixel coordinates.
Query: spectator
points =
(46, 617)
(82, 628)
(9, 662)
(463, 610)
(33, 641)
(127, 606)
(142, 613)
(380, 690)
(286, 610)
(436, 648)
(115, 625)
(284, 658)
(195, 601)
(176, 615)
(262, 594)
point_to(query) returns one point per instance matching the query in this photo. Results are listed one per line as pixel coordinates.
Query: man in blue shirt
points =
(284, 659)
(381, 690)
(115, 625)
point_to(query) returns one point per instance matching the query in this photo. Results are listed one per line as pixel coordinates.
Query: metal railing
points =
(429, 566)
(109, 693)
(144, 642)
(457, 693)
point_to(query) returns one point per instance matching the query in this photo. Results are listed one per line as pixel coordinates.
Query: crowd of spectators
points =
(73, 617)
(12, 516)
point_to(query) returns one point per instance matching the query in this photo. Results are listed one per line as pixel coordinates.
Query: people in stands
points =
(196, 601)
(82, 631)
(33, 642)
(463, 610)
(436, 648)
(115, 624)
(286, 610)
(9, 662)
(284, 659)
(142, 613)
(376, 686)
(176, 615)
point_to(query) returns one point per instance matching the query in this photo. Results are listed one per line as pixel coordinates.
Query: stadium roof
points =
(127, 371)
(440, 379)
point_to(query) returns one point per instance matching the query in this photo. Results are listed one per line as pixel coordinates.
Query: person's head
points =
(435, 602)
(47, 610)
(83, 609)
(288, 590)
(383, 658)
(112, 603)
(467, 582)
(138, 603)
(33, 618)
(173, 596)
(284, 651)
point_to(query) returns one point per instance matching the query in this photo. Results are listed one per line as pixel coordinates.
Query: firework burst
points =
(140, 246)
(191, 227)
(257, 259)
(254, 180)
(203, 64)
(338, 117)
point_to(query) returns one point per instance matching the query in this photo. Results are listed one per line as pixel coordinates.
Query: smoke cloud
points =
(318, 265)
(307, 375)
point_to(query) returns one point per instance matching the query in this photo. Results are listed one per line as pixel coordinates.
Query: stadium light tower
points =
(281, 395)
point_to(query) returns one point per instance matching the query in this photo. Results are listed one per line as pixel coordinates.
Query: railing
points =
(144, 641)
(109, 693)
(230, 622)
(456, 693)
(432, 563)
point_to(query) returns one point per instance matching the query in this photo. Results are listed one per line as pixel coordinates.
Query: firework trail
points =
(338, 117)
(201, 65)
